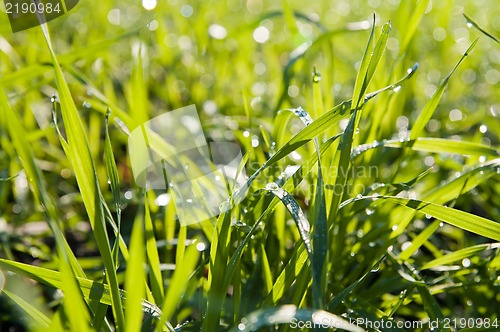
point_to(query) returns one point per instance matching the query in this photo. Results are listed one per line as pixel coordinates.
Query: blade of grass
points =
(134, 278)
(475, 25)
(38, 317)
(91, 289)
(73, 300)
(81, 160)
(178, 284)
(457, 218)
(433, 102)
(114, 183)
(155, 277)
(434, 145)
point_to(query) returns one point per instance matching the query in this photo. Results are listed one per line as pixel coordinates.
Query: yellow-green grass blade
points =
(135, 278)
(217, 272)
(73, 301)
(114, 183)
(459, 255)
(84, 169)
(90, 289)
(38, 317)
(178, 284)
(475, 25)
(446, 192)
(288, 314)
(433, 102)
(419, 240)
(457, 218)
(27, 157)
(153, 259)
(289, 185)
(34, 70)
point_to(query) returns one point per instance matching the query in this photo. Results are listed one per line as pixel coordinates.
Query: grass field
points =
(370, 136)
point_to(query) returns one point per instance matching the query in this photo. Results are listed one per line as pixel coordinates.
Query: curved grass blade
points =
(114, 183)
(134, 278)
(288, 314)
(432, 103)
(81, 160)
(460, 254)
(457, 218)
(297, 214)
(475, 25)
(178, 284)
(38, 317)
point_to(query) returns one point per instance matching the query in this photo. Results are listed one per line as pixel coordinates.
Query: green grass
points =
(372, 152)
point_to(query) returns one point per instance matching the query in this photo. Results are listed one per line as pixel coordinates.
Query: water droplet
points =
(316, 76)
(189, 201)
(86, 104)
(397, 88)
(241, 327)
(469, 25)
(375, 269)
(358, 196)
(369, 211)
(272, 186)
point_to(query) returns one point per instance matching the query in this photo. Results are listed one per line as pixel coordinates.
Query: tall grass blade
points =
(84, 169)
(432, 103)
(290, 313)
(134, 278)
(460, 255)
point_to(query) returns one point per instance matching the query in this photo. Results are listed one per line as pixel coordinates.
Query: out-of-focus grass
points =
(400, 229)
